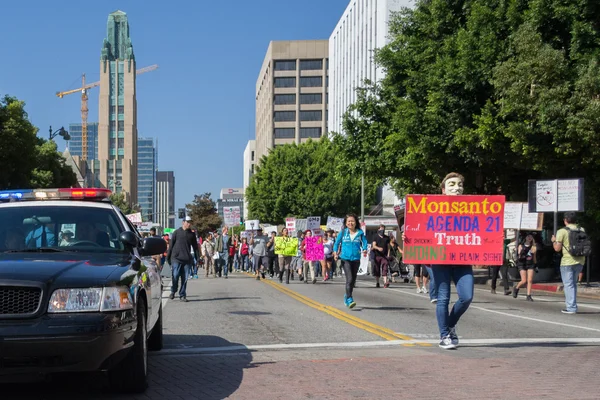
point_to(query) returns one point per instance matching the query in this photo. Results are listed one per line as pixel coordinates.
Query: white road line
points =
(535, 319)
(165, 294)
(386, 343)
(506, 314)
(538, 298)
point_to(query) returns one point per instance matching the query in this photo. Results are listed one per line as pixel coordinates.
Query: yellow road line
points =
(375, 329)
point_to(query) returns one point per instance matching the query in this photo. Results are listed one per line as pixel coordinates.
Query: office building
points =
(165, 199)
(362, 28)
(146, 177)
(75, 144)
(230, 198)
(291, 94)
(117, 117)
(249, 162)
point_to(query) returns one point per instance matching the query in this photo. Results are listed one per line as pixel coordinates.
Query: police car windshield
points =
(65, 228)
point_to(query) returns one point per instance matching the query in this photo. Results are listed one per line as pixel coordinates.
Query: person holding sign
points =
(286, 248)
(348, 246)
(443, 275)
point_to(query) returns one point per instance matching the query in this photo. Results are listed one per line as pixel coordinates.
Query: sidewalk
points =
(593, 291)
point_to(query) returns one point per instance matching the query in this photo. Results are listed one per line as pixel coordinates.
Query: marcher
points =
(272, 257)
(508, 256)
(443, 275)
(222, 244)
(306, 264)
(259, 251)
(381, 249)
(526, 263)
(285, 262)
(180, 257)
(208, 251)
(573, 258)
(348, 246)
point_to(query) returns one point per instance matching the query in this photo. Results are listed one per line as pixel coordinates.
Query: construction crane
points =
(84, 104)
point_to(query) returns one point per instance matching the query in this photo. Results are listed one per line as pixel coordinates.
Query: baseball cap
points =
(188, 218)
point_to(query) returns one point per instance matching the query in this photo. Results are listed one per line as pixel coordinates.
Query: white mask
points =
(453, 187)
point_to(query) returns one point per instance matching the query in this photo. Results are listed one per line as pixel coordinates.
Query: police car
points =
(79, 289)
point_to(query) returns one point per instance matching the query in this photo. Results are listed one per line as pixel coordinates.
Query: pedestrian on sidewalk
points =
(526, 261)
(348, 246)
(573, 257)
(180, 257)
(443, 275)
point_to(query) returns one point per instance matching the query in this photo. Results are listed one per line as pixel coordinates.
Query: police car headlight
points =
(90, 300)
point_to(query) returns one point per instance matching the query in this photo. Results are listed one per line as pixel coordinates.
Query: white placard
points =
(290, 224)
(313, 223)
(301, 225)
(335, 223)
(231, 215)
(512, 215)
(252, 224)
(568, 195)
(546, 197)
(268, 229)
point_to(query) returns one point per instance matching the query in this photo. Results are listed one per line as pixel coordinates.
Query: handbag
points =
(215, 256)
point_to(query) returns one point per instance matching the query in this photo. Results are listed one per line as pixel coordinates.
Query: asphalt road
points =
(248, 339)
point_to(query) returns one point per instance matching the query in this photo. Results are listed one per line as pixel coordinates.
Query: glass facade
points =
(146, 177)
(75, 143)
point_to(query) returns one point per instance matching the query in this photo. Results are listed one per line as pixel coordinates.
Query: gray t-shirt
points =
(260, 245)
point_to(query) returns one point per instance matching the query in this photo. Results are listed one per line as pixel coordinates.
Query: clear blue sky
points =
(199, 104)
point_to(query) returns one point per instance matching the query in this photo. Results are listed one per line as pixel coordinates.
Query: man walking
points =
(381, 250)
(573, 258)
(222, 244)
(180, 257)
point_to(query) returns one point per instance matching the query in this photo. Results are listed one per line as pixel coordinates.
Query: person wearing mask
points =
(259, 251)
(180, 257)
(348, 246)
(381, 249)
(222, 244)
(443, 275)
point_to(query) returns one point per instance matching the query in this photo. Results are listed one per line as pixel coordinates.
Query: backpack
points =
(579, 243)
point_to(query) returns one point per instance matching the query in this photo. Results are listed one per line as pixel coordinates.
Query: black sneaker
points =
(515, 293)
(529, 298)
(568, 312)
(184, 299)
(172, 296)
(446, 343)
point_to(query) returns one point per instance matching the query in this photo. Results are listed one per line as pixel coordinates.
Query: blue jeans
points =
(432, 287)
(569, 274)
(223, 259)
(180, 271)
(442, 276)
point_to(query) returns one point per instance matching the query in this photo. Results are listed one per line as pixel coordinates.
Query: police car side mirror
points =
(129, 239)
(154, 246)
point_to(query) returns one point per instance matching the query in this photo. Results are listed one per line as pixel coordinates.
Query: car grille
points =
(19, 300)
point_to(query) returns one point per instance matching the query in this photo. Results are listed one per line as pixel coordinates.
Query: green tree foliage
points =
(118, 199)
(301, 181)
(17, 145)
(204, 214)
(28, 161)
(500, 90)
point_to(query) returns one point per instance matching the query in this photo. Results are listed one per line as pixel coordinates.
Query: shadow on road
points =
(171, 375)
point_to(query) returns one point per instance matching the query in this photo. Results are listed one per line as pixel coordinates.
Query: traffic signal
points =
(181, 212)
(241, 221)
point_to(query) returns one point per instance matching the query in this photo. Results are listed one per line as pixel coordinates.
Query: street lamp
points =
(60, 132)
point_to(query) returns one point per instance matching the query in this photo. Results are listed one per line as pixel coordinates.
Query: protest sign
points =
(290, 224)
(335, 223)
(286, 246)
(252, 225)
(314, 248)
(454, 230)
(231, 215)
(301, 225)
(313, 223)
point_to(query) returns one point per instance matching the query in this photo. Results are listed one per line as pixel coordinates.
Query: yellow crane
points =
(84, 104)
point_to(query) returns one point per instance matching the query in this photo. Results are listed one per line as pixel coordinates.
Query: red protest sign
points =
(454, 230)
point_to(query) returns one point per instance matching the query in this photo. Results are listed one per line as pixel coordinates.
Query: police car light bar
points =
(54, 194)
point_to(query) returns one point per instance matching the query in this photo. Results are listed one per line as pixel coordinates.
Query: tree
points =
(118, 199)
(303, 180)
(501, 91)
(17, 145)
(204, 214)
(27, 160)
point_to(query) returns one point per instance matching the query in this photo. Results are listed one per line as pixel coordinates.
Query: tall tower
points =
(117, 120)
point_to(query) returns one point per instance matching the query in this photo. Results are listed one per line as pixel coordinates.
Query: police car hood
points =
(68, 269)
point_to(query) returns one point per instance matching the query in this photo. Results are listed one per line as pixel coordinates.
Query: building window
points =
(284, 116)
(310, 133)
(285, 82)
(311, 81)
(121, 142)
(306, 65)
(121, 126)
(285, 133)
(311, 98)
(121, 109)
(285, 65)
(252, 156)
(281, 99)
(311, 115)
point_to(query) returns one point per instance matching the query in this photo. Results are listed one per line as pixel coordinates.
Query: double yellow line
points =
(375, 329)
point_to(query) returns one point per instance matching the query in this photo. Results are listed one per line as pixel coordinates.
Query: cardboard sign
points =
(517, 216)
(454, 230)
(290, 224)
(231, 215)
(252, 225)
(335, 223)
(314, 248)
(313, 223)
(301, 225)
(556, 195)
(286, 246)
